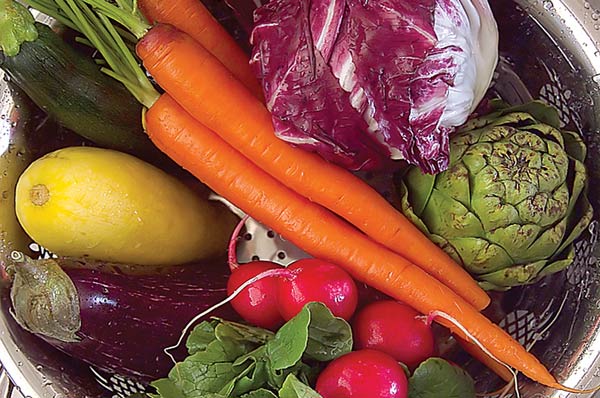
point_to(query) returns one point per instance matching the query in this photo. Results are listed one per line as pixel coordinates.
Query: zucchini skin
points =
(72, 90)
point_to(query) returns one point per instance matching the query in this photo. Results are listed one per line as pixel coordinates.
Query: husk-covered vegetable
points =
(513, 199)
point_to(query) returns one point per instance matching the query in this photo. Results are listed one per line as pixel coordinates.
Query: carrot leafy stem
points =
(93, 20)
(125, 13)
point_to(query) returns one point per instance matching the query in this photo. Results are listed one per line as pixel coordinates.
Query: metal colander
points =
(550, 49)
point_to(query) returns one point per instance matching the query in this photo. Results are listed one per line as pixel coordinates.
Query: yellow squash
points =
(107, 205)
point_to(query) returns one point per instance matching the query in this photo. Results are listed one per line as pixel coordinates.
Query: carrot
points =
(192, 17)
(485, 359)
(321, 233)
(181, 66)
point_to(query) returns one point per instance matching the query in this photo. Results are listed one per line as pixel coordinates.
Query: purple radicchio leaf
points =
(308, 106)
(387, 58)
(413, 70)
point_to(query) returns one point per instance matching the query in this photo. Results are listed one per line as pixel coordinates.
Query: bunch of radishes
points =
(386, 333)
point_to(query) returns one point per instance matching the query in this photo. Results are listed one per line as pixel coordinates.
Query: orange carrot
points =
(485, 359)
(192, 17)
(198, 82)
(321, 233)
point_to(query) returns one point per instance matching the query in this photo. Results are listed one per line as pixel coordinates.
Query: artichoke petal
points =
(419, 186)
(548, 133)
(475, 157)
(545, 209)
(513, 276)
(408, 210)
(478, 255)
(487, 200)
(575, 146)
(578, 184)
(451, 182)
(566, 259)
(518, 191)
(547, 242)
(581, 219)
(541, 111)
(447, 217)
(516, 239)
(512, 119)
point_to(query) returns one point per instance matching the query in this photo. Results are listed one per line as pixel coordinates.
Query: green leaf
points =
(233, 360)
(236, 339)
(294, 388)
(436, 378)
(201, 336)
(314, 332)
(253, 373)
(165, 388)
(260, 393)
(202, 373)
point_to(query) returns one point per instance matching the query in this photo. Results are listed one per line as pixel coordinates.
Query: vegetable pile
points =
(333, 86)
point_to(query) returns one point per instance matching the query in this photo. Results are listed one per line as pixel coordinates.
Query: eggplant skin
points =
(128, 320)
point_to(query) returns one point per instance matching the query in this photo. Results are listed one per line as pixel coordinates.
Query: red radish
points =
(361, 374)
(276, 291)
(396, 329)
(316, 280)
(300, 283)
(257, 303)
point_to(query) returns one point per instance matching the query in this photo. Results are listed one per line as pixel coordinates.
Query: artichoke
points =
(513, 199)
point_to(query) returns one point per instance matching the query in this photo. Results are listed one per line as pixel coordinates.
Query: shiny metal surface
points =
(550, 50)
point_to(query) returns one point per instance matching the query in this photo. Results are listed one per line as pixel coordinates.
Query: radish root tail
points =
(439, 314)
(232, 259)
(234, 294)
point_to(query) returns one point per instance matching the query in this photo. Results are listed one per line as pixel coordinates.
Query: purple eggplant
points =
(116, 322)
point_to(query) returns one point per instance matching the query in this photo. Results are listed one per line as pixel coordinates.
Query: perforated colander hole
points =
(119, 386)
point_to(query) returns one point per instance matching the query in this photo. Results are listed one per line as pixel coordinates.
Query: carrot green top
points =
(92, 18)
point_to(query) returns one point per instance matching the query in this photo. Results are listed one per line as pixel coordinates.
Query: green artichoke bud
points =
(513, 199)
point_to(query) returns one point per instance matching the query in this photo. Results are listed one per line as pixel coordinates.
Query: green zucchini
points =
(72, 89)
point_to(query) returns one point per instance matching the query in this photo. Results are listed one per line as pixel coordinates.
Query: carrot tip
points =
(439, 314)
(561, 387)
